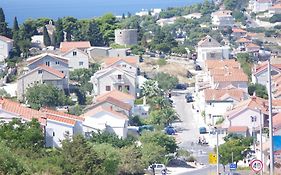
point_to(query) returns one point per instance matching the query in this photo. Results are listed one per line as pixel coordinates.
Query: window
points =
(120, 88)
(81, 63)
(39, 71)
(47, 63)
(127, 87)
(53, 134)
(107, 88)
(57, 62)
(62, 71)
(119, 77)
(74, 53)
(253, 118)
(210, 40)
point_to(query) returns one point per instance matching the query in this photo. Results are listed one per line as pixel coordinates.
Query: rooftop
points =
(208, 41)
(66, 46)
(129, 60)
(115, 102)
(5, 39)
(115, 94)
(243, 40)
(222, 94)
(38, 57)
(100, 109)
(211, 64)
(234, 129)
(231, 77)
(238, 30)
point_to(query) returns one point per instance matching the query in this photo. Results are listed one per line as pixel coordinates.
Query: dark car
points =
(189, 97)
(202, 130)
(181, 86)
(170, 130)
(197, 67)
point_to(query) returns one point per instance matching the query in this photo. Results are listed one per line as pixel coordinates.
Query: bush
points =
(161, 62)
(191, 159)
(275, 18)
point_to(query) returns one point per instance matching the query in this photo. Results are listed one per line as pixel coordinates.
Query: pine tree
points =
(94, 35)
(123, 16)
(16, 25)
(59, 35)
(3, 24)
(46, 37)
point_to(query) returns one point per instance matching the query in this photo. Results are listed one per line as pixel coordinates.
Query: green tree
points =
(152, 153)
(94, 35)
(150, 88)
(69, 26)
(3, 24)
(42, 95)
(110, 138)
(130, 161)
(161, 139)
(59, 34)
(275, 18)
(259, 89)
(9, 163)
(15, 25)
(245, 61)
(4, 93)
(46, 37)
(162, 117)
(166, 81)
(158, 103)
(80, 158)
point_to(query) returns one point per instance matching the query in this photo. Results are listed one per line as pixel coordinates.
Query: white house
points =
(218, 101)
(261, 5)
(113, 78)
(121, 96)
(105, 119)
(222, 18)
(275, 9)
(77, 59)
(210, 49)
(6, 45)
(128, 64)
(248, 113)
(260, 73)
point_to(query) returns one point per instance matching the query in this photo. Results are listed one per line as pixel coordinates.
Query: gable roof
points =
(231, 63)
(113, 101)
(222, 13)
(231, 77)
(115, 94)
(225, 71)
(252, 45)
(61, 114)
(5, 39)
(22, 111)
(221, 94)
(276, 6)
(129, 60)
(47, 69)
(208, 41)
(243, 40)
(74, 49)
(100, 109)
(262, 67)
(253, 103)
(106, 71)
(238, 30)
(61, 119)
(234, 129)
(31, 60)
(66, 46)
(276, 119)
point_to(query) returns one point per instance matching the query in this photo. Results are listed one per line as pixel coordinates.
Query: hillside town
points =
(181, 90)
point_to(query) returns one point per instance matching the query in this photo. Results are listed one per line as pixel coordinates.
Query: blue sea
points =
(25, 9)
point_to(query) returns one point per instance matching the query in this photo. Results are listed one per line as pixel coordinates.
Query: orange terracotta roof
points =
(252, 45)
(116, 102)
(276, 119)
(264, 66)
(115, 94)
(61, 114)
(276, 103)
(243, 40)
(253, 103)
(130, 60)
(22, 111)
(220, 94)
(52, 71)
(225, 71)
(33, 59)
(233, 129)
(238, 30)
(61, 119)
(231, 78)
(5, 39)
(66, 46)
(211, 64)
(104, 109)
(276, 6)
(250, 34)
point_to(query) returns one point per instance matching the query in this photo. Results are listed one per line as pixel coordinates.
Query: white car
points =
(158, 168)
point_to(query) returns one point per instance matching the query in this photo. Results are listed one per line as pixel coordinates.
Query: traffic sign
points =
(232, 166)
(256, 165)
(212, 158)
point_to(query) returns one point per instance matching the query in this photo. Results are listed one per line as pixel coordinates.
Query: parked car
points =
(170, 130)
(197, 67)
(146, 128)
(158, 168)
(189, 97)
(181, 86)
(202, 130)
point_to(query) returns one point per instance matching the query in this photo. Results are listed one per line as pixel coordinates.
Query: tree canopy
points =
(259, 89)
(166, 81)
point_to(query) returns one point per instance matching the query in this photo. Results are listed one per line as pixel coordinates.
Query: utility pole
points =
(218, 168)
(261, 126)
(270, 120)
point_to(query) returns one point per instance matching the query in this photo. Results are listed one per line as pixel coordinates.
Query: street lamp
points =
(217, 135)
(261, 126)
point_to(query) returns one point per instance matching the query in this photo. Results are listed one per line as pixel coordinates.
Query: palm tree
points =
(150, 88)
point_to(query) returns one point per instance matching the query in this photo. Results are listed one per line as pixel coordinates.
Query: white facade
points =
(261, 5)
(126, 36)
(223, 19)
(212, 53)
(113, 78)
(6, 45)
(77, 59)
(105, 120)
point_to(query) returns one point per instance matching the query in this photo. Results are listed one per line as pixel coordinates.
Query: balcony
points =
(117, 80)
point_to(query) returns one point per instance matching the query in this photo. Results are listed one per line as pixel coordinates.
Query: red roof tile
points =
(220, 94)
(52, 71)
(33, 59)
(61, 119)
(238, 30)
(115, 102)
(234, 129)
(211, 64)
(115, 94)
(61, 114)
(66, 46)
(243, 40)
(231, 77)
(130, 60)
(104, 109)
(276, 119)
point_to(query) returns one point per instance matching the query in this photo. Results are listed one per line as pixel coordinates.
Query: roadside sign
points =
(232, 166)
(212, 158)
(256, 165)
